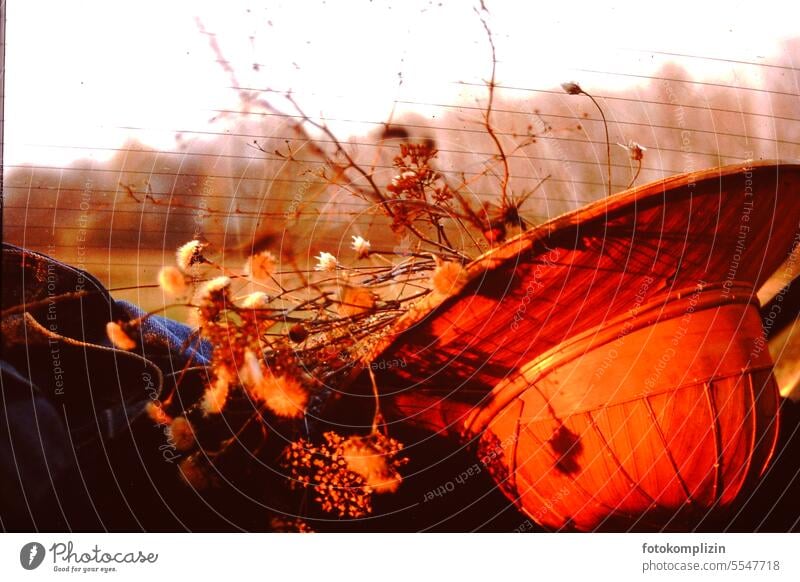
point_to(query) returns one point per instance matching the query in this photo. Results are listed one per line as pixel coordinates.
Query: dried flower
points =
(261, 266)
(216, 394)
(195, 471)
(193, 318)
(326, 262)
(189, 254)
(215, 286)
(361, 246)
(156, 413)
(355, 300)
(447, 277)
(322, 469)
(172, 280)
(283, 395)
(366, 460)
(213, 297)
(118, 337)
(572, 88)
(251, 373)
(257, 300)
(182, 433)
(343, 486)
(635, 150)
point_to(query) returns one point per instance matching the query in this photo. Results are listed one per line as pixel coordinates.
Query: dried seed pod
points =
(298, 333)
(182, 433)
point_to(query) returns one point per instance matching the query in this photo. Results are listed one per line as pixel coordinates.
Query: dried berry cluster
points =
(418, 192)
(345, 472)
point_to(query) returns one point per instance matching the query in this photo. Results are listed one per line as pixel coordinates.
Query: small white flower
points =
(326, 262)
(361, 246)
(189, 254)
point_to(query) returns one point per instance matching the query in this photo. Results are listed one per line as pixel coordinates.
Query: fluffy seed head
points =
(171, 280)
(157, 414)
(261, 266)
(251, 373)
(217, 393)
(196, 472)
(188, 254)
(214, 290)
(257, 300)
(283, 395)
(118, 337)
(182, 433)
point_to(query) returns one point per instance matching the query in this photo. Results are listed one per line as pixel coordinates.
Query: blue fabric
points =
(174, 335)
(70, 399)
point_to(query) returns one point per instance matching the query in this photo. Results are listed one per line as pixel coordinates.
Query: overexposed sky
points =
(79, 74)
